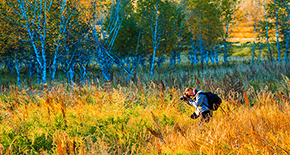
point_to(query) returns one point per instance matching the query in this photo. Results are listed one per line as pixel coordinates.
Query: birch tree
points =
(276, 10)
(105, 25)
(255, 13)
(180, 30)
(33, 19)
(254, 42)
(196, 21)
(156, 32)
(206, 27)
(68, 15)
(267, 30)
(279, 10)
(287, 36)
(228, 9)
(44, 27)
(157, 25)
(128, 48)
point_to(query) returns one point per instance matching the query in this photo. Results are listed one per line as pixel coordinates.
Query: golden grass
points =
(262, 129)
(141, 119)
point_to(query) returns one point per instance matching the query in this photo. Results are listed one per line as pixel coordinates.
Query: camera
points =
(184, 97)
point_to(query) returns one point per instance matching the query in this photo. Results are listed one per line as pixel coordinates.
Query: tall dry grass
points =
(145, 116)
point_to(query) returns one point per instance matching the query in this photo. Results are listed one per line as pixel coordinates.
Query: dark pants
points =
(204, 116)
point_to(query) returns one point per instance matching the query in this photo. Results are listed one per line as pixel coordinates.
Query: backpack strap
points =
(199, 92)
(202, 93)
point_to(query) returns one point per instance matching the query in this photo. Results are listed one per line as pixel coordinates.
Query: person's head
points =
(189, 92)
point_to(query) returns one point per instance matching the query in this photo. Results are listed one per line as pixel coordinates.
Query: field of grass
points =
(145, 116)
(244, 50)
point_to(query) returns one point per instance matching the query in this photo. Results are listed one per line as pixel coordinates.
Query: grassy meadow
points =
(145, 116)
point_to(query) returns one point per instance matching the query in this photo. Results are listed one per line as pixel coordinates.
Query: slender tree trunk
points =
(287, 35)
(173, 59)
(193, 55)
(17, 71)
(104, 67)
(54, 67)
(206, 53)
(71, 74)
(44, 69)
(226, 45)
(267, 33)
(18, 74)
(178, 56)
(49, 69)
(38, 74)
(261, 45)
(153, 62)
(155, 41)
(206, 56)
(287, 47)
(216, 54)
(277, 32)
(31, 69)
(43, 56)
(253, 51)
(43, 41)
(67, 76)
(201, 48)
(254, 36)
(211, 55)
(84, 74)
(160, 61)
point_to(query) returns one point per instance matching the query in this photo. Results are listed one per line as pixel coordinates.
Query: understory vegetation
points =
(145, 116)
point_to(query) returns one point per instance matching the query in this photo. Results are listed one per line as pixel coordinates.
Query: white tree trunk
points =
(277, 31)
(201, 48)
(17, 70)
(287, 33)
(178, 57)
(216, 55)
(153, 62)
(226, 45)
(155, 41)
(254, 36)
(267, 32)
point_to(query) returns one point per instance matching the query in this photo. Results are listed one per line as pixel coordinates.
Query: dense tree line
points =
(41, 37)
(272, 28)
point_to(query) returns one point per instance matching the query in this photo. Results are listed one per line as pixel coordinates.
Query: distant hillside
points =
(249, 11)
(242, 30)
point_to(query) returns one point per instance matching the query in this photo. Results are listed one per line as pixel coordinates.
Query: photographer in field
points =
(198, 99)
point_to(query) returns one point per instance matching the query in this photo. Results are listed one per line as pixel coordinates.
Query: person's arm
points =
(187, 100)
(198, 101)
(191, 102)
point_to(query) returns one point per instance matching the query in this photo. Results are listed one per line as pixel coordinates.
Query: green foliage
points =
(126, 41)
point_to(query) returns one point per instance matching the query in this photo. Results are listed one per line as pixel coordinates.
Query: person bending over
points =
(200, 102)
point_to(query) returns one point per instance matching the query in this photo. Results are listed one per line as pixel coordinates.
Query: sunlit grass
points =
(146, 117)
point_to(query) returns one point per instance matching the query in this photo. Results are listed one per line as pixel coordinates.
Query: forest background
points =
(85, 40)
(104, 76)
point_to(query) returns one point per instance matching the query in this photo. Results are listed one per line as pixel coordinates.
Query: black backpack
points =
(213, 100)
